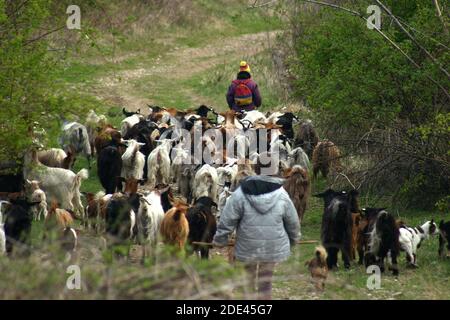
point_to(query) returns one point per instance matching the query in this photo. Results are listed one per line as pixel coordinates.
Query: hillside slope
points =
(163, 54)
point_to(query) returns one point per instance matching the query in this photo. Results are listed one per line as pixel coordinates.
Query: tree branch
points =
(413, 39)
(43, 35)
(439, 13)
(445, 91)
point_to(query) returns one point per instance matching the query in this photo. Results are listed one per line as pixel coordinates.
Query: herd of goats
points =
(167, 176)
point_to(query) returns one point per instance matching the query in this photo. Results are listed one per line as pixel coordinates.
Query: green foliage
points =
(357, 82)
(28, 101)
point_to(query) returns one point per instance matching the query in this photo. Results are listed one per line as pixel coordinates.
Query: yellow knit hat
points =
(243, 66)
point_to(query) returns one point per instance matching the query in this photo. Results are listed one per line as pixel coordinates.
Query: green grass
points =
(214, 82)
(429, 281)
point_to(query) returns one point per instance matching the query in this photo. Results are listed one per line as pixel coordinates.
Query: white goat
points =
(149, 217)
(282, 151)
(93, 122)
(239, 146)
(225, 175)
(254, 117)
(223, 196)
(133, 161)
(56, 158)
(36, 194)
(75, 138)
(60, 185)
(299, 157)
(159, 164)
(128, 123)
(180, 156)
(411, 238)
(205, 183)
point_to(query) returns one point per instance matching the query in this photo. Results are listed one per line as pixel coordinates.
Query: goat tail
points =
(321, 254)
(81, 175)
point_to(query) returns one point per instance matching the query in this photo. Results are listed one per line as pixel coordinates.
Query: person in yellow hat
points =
(243, 93)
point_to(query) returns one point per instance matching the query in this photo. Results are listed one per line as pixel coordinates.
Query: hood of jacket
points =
(242, 75)
(262, 192)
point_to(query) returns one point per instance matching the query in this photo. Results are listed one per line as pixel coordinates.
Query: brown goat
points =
(239, 177)
(318, 268)
(326, 157)
(53, 158)
(69, 161)
(105, 135)
(157, 116)
(356, 234)
(131, 185)
(58, 217)
(368, 217)
(230, 117)
(297, 186)
(95, 210)
(175, 227)
(306, 137)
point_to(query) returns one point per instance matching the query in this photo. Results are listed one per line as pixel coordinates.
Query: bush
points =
(371, 101)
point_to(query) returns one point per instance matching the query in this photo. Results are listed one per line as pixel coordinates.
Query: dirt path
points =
(178, 65)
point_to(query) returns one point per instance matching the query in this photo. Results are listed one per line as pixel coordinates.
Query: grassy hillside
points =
(143, 50)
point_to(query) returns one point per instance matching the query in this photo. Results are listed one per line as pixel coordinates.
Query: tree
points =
(373, 100)
(29, 102)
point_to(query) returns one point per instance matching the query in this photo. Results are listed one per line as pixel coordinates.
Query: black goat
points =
(365, 226)
(121, 218)
(18, 224)
(285, 121)
(11, 183)
(336, 231)
(202, 224)
(384, 239)
(306, 137)
(203, 110)
(166, 196)
(109, 167)
(130, 113)
(444, 238)
(141, 132)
